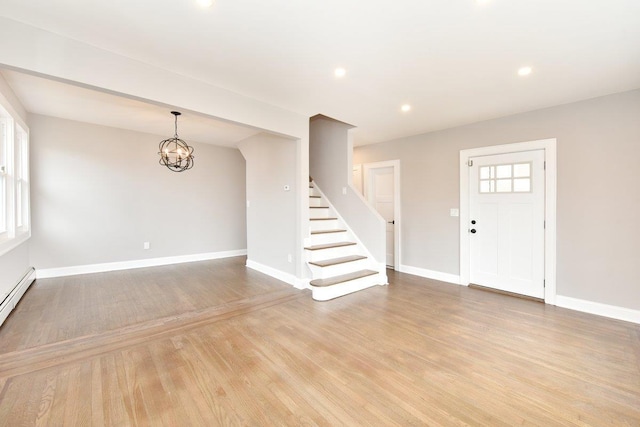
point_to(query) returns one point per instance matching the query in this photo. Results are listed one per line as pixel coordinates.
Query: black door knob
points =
(473, 221)
(473, 230)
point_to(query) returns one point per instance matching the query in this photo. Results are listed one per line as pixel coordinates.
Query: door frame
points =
(549, 147)
(366, 178)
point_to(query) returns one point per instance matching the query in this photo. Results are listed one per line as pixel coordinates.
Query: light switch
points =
(454, 212)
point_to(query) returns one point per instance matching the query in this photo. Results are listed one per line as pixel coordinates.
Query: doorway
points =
(506, 211)
(382, 191)
(507, 218)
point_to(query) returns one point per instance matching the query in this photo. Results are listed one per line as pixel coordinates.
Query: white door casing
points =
(549, 253)
(382, 191)
(506, 211)
(381, 198)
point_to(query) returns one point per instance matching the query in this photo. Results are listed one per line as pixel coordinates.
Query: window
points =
(14, 182)
(510, 178)
(4, 172)
(22, 178)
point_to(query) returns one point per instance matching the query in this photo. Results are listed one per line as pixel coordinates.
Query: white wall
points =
(34, 50)
(15, 263)
(598, 208)
(98, 193)
(272, 213)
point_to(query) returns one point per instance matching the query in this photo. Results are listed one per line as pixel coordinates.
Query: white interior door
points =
(357, 178)
(382, 198)
(506, 218)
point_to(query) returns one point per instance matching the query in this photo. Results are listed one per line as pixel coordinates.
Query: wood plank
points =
(329, 281)
(328, 231)
(329, 246)
(336, 261)
(71, 350)
(416, 352)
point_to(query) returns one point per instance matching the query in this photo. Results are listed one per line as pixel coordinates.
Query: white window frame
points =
(22, 182)
(14, 235)
(4, 172)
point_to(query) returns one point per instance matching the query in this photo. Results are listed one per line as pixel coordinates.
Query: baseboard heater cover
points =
(10, 302)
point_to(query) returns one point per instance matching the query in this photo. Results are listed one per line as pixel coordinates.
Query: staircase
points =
(339, 264)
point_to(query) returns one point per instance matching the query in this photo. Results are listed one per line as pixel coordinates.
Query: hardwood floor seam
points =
(63, 352)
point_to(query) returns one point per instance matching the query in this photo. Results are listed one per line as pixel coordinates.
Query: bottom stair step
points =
(329, 281)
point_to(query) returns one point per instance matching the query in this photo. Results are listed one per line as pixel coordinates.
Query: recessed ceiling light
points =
(340, 72)
(524, 71)
(405, 108)
(205, 3)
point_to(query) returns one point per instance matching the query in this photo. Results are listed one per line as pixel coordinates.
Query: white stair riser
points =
(328, 224)
(321, 239)
(319, 213)
(322, 254)
(314, 201)
(339, 269)
(329, 292)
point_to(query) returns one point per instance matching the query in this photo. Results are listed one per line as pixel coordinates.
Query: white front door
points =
(381, 196)
(506, 222)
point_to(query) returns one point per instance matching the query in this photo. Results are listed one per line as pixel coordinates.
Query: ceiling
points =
(454, 61)
(53, 98)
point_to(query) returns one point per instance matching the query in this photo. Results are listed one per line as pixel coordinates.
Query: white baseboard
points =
(430, 274)
(46, 273)
(14, 296)
(612, 311)
(280, 275)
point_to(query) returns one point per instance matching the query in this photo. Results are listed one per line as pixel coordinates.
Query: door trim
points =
(549, 147)
(366, 176)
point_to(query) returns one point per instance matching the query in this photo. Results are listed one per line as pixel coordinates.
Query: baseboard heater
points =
(10, 302)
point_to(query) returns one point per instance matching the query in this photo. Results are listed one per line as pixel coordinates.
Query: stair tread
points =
(336, 261)
(329, 246)
(329, 281)
(322, 219)
(328, 231)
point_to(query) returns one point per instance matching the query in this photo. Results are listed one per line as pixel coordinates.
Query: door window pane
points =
(503, 171)
(503, 186)
(522, 185)
(510, 178)
(522, 170)
(485, 172)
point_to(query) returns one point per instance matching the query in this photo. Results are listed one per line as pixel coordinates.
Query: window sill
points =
(8, 244)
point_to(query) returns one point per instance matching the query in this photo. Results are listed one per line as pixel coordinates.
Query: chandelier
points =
(174, 153)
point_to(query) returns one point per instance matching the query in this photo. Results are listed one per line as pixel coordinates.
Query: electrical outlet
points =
(287, 188)
(146, 245)
(290, 258)
(344, 190)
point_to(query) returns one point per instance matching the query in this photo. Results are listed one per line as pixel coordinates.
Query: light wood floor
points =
(212, 343)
